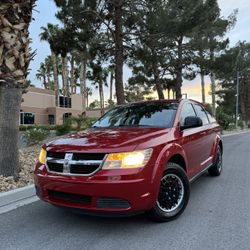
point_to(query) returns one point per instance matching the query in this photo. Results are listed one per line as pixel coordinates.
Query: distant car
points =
(139, 157)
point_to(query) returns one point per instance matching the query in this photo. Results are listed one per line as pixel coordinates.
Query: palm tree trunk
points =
(101, 97)
(111, 85)
(203, 87)
(10, 103)
(119, 52)
(83, 87)
(66, 76)
(55, 76)
(49, 83)
(63, 77)
(45, 82)
(72, 75)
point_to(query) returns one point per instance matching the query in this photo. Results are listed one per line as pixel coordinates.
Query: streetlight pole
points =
(237, 98)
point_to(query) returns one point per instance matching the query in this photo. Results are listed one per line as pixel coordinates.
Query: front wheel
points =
(173, 194)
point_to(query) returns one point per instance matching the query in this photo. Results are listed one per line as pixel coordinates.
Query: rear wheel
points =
(216, 169)
(173, 194)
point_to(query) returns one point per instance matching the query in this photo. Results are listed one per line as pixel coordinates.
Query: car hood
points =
(107, 140)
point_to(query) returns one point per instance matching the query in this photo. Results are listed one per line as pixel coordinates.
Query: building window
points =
(66, 116)
(65, 102)
(27, 118)
(51, 119)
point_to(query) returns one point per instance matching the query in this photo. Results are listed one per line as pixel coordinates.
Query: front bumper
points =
(116, 191)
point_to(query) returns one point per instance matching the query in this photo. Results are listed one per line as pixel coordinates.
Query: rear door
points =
(207, 136)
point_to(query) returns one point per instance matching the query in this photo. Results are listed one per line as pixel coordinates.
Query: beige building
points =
(38, 107)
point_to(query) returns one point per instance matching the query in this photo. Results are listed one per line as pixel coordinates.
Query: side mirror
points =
(192, 122)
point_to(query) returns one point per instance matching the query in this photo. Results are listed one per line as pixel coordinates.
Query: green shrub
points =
(44, 127)
(224, 119)
(35, 135)
(79, 123)
(63, 129)
(241, 124)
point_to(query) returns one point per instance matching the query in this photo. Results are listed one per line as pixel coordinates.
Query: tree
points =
(42, 75)
(95, 104)
(236, 59)
(216, 43)
(89, 93)
(162, 53)
(79, 30)
(150, 58)
(98, 76)
(14, 61)
(180, 22)
(136, 92)
(50, 34)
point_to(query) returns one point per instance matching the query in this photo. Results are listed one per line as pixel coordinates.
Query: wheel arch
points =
(178, 159)
(221, 146)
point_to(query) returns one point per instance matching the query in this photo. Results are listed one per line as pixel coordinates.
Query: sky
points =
(45, 13)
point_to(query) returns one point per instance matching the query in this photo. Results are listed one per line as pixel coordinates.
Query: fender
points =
(164, 156)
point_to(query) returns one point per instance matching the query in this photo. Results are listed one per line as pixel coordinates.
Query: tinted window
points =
(64, 102)
(187, 110)
(27, 118)
(156, 114)
(200, 111)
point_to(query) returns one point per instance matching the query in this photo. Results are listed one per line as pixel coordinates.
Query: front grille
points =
(107, 202)
(74, 163)
(75, 198)
(84, 156)
(55, 167)
(56, 155)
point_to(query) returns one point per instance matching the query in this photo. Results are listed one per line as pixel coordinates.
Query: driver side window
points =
(187, 110)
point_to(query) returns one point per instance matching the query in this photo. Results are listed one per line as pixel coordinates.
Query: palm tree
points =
(89, 93)
(50, 34)
(14, 62)
(42, 75)
(98, 76)
(49, 69)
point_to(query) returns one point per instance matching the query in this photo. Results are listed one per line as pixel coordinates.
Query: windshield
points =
(157, 114)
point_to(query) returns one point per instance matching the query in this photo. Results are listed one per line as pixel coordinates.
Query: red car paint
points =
(194, 149)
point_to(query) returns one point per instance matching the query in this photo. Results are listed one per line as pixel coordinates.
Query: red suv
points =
(137, 157)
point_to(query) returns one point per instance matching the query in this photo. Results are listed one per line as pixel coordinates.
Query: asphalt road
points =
(217, 217)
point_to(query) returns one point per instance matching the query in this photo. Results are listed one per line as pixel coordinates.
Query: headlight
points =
(136, 159)
(42, 156)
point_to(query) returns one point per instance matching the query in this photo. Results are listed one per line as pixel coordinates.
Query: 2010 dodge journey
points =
(139, 157)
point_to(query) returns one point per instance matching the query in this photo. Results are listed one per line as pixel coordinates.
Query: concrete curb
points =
(16, 198)
(236, 133)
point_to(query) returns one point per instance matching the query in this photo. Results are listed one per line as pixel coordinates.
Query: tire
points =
(216, 169)
(164, 210)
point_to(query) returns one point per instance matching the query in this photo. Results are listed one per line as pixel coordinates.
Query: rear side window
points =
(187, 110)
(210, 117)
(200, 111)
